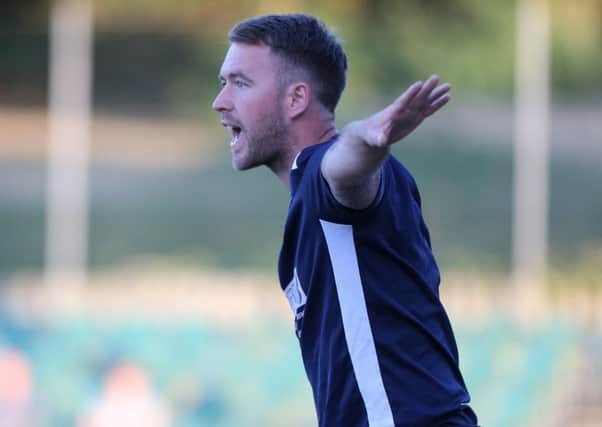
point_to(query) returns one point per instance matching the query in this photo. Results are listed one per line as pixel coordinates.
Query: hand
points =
(400, 118)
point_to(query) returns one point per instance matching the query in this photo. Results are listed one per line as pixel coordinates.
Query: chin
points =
(246, 162)
(236, 167)
(241, 165)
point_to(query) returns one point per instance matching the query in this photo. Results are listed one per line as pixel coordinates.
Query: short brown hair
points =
(302, 41)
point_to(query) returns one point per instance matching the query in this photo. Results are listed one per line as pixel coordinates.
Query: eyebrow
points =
(234, 75)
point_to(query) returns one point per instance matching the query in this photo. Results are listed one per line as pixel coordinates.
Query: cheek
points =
(256, 101)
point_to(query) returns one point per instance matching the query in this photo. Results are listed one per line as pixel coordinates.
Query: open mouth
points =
(235, 130)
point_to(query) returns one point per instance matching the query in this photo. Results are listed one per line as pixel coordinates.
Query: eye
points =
(239, 83)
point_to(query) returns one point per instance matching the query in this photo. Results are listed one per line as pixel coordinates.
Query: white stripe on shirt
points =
(358, 333)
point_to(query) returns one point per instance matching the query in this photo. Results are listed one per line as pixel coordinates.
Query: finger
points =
(437, 104)
(438, 92)
(422, 97)
(408, 95)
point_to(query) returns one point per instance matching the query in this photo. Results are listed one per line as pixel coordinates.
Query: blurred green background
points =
(158, 62)
(163, 194)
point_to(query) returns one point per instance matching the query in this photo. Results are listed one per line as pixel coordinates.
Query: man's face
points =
(250, 104)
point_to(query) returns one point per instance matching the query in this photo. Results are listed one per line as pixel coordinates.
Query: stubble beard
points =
(265, 142)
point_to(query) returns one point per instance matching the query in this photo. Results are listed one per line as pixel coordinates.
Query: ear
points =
(297, 99)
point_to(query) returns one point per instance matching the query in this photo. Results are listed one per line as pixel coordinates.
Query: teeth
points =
(235, 135)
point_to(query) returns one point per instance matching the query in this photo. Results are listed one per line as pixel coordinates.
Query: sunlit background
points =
(138, 271)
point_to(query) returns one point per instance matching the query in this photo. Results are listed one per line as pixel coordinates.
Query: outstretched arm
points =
(352, 164)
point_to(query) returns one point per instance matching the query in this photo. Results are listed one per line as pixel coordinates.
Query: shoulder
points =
(402, 177)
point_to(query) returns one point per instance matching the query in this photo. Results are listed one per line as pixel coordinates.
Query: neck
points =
(297, 142)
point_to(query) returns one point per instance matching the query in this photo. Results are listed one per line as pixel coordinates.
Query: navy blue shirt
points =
(376, 342)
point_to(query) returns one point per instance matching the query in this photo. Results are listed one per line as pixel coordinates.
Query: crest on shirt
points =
(296, 299)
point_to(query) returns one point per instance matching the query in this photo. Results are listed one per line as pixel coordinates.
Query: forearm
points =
(351, 167)
(350, 161)
(352, 164)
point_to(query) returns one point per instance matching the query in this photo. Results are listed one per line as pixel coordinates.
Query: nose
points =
(222, 102)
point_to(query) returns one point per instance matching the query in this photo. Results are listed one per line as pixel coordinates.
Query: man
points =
(356, 262)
